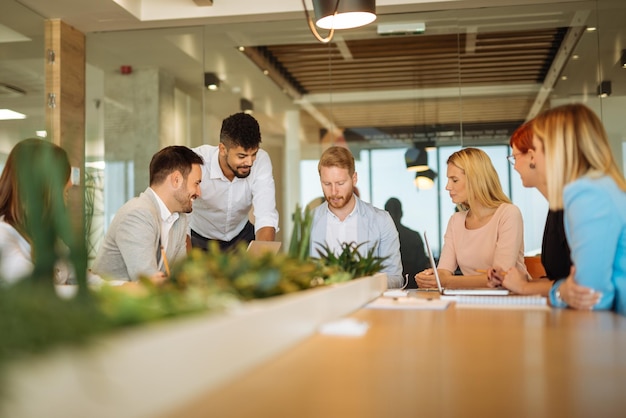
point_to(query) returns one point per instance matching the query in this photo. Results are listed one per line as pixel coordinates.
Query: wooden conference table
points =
(457, 362)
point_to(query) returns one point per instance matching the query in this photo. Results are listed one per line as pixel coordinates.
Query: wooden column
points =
(65, 103)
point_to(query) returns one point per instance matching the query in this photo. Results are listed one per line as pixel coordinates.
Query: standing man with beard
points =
(345, 218)
(237, 176)
(150, 231)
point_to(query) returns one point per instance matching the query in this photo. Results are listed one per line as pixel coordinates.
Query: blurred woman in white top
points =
(36, 172)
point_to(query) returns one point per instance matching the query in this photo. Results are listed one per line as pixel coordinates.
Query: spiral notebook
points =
(486, 291)
(500, 302)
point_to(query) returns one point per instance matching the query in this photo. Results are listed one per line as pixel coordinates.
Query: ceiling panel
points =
(490, 60)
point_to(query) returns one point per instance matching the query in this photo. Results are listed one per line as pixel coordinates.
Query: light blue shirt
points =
(374, 228)
(595, 227)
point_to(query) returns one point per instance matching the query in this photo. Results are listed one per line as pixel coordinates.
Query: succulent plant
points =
(351, 261)
(244, 276)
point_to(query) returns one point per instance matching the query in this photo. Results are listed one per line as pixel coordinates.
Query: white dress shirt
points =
(167, 219)
(222, 209)
(339, 232)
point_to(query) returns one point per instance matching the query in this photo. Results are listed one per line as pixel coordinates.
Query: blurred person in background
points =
(414, 258)
(33, 187)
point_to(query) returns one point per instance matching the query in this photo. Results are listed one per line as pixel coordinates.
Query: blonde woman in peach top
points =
(486, 234)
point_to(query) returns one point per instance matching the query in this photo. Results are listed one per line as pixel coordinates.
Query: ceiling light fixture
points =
(8, 114)
(339, 14)
(416, 159)
(344, 14)
(211, 81)
(425, 180)
(246, 106)
(604, 89)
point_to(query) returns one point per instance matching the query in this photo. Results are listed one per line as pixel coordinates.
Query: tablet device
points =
(257, 248)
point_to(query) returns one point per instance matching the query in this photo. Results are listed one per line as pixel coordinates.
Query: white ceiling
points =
(204, 39)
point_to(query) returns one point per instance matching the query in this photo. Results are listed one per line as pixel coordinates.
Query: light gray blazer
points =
(132, 245)
(375, 227)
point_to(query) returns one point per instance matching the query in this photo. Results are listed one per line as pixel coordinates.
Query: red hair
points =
(522, 138)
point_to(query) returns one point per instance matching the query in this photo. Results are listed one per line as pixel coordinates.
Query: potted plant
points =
(227, 311)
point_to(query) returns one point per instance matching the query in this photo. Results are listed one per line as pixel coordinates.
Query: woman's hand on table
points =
(515, 280)
(577, 296)
(426, 279)
(495, 277)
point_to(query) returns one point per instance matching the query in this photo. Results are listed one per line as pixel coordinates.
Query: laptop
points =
(258, 248)
(479, 291)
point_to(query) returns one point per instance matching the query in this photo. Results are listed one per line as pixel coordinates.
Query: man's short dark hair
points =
(170, 159)
(394, 207)
(240, 130)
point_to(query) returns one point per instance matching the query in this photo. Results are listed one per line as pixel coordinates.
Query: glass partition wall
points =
(475, 75)
(512, 62)
(22, 77)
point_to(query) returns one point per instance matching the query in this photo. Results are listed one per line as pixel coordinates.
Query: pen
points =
(165, 263)
(485, 271)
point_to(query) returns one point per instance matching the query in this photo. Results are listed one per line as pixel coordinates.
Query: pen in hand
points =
(485, 272)
(165, 263)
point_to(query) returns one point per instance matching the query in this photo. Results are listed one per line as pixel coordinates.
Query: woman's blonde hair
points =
(483, 183)
(575, 144)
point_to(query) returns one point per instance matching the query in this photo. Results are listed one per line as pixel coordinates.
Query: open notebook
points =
(486, 291)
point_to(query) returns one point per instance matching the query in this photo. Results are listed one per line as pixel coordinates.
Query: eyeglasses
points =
(513, 157)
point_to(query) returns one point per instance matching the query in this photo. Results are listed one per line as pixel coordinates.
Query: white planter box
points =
(151, 369)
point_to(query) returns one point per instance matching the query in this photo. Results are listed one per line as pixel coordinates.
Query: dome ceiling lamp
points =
(425, 180)
(416, 159)
(339, 14)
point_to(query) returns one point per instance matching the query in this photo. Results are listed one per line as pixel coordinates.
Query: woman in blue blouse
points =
(572, 148)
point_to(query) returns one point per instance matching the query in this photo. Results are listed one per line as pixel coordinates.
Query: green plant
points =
(299, 245)
(350, 260)
(243, 276)
(94, 215)
(33, 319)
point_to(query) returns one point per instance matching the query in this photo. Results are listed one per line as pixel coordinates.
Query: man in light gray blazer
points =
(343, 217)
(150, 231)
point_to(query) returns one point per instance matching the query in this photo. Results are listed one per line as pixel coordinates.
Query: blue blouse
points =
(595, 226)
